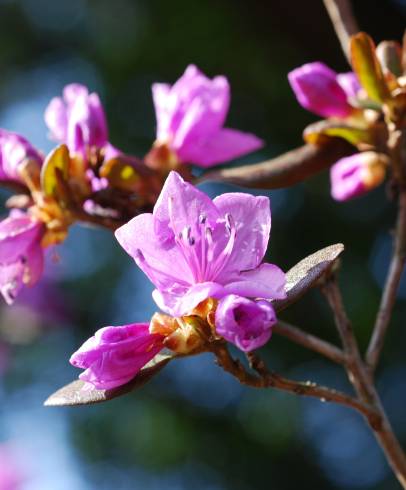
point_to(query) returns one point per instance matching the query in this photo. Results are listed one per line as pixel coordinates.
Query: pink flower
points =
(14, 149)
(21, 254)
(11, 476)
(322, 91)
(193, 248)
(77, 119)
(190, 118)
(245, 323)
(114, 355)
(357, 174)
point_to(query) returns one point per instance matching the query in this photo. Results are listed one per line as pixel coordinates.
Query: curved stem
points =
(310, 341)
(268, 379)
(363, 384)
(390, 289)
(345, 25)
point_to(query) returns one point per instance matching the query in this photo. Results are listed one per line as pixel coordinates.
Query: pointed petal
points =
(56, 119)
(267, 281)
(180, 205)
(222, 146)
(161, 93)
(252, 218)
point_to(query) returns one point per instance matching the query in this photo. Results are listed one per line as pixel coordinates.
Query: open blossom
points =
(21, 254)
(244, 322)
(14, 149)
(114, 355)
(190, 118)
(78, 120)
(321, 90)
(193, 248)
(357, 174)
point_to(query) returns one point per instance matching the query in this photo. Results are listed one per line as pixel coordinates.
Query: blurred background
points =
(193, 426)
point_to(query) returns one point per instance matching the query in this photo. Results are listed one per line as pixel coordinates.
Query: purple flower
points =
(114, 355)
(190, 118)
(77, 119)
(14, 149)
(321, 90)
(193, 248)
(21, 254)
(357, 174)
(11, 474)
(245, 323)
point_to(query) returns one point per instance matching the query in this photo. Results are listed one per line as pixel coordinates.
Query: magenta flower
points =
(77, 119)
(190, 118)
(114, 355)
(21, 254)
(193, 248)
(14, 149)
(357, 174)
(245, 323)
(321, 90)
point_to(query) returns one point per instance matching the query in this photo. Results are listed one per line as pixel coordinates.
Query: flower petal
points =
(17, 234)
(182, 304)
(252, 219)
(222, 146)
(161, 261)
(179, 206)
(56, 119)
(267, 281)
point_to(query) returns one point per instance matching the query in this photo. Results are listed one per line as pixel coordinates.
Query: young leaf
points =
(306, 274)
(316, 133)
(73, 394)
(366, 65)
(57, 159)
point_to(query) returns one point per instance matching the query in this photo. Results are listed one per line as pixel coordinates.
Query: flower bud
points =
(114, 355)
(244, 322)
(318, 90)
(357, 174)
(14, 150)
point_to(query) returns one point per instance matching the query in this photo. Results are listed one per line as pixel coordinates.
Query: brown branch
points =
(268, 379)
(310, 341)
(285, 170)
(390, 289)
(100, 221)
(345, 25)
(364, 386)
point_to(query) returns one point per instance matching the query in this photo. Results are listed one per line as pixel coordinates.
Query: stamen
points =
(223, 258)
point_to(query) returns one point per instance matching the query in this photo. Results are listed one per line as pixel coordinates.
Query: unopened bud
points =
(389, 54)
(355, 175)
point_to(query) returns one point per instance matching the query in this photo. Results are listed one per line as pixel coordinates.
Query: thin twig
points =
(268, 379)
(390, 289)
(285, 170)
(364, 385)
(310, 341)
(345, 25)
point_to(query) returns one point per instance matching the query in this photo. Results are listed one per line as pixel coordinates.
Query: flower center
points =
(199, 251)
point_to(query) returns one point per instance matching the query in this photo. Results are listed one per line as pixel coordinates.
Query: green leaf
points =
(74, 395)
(366, 65)
(317, 133)
(307, 274)
(57, 159)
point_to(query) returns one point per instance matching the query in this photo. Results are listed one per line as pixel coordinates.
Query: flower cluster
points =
(361, 107)
(86, 178)
(205, 259)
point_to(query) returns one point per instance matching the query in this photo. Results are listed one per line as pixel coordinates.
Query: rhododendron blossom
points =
(78, 120)
(21, 254)
(193, 248)
(245, 323)
(114, 355)
(190, 120)
(14, 149)
(321, 90)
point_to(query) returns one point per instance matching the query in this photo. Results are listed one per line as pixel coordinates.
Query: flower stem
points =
(391, 287)
(363, 384)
